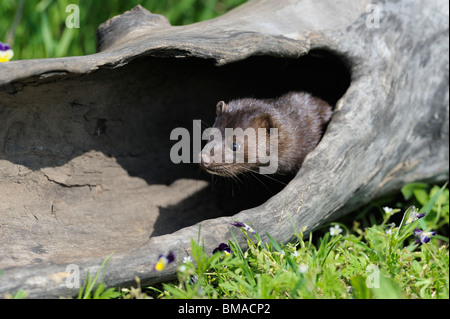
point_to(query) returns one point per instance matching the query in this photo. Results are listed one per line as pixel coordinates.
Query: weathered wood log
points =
(84, 141)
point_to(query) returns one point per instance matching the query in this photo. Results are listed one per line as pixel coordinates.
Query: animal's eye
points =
(234, 147)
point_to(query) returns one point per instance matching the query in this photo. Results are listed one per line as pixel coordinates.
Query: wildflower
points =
(223, 248)
(335, 230)
(390, 229)
(303, 268)
(390, 211)
(163, 261)
(6, 53)
(423, 237)
(193, 280)
(187, 260)
(245, 226)
(413, 215)
(182, 268)
(295, 254)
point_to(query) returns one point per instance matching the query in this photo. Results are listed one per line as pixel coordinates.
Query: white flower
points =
(295, 254)
(302, 268)
(187, 260)
(335, 230)
(182, 268)
(388, 210)
(390, 229)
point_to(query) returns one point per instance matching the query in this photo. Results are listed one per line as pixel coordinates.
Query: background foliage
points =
(36, 29)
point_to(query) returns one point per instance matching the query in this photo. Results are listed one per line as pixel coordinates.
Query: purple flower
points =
(413, 215)
(245, 226)
(223, 248)
(4, 47)
(423, 237)
(163, 261)
(6, 53)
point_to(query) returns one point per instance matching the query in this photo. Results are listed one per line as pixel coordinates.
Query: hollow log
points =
(85, 141)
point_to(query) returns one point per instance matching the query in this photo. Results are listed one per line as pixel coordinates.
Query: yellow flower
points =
(163, 261)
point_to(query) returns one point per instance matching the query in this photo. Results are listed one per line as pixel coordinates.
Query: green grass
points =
(377, 261)
(41, 32)
(380, 261)
(92, 290)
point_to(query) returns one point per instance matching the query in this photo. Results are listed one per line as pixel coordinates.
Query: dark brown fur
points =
(299, 117)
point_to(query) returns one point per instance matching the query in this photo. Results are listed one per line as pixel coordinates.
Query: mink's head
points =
(240, 140)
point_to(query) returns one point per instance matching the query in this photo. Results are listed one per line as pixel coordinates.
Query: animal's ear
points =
(220, 107)
(264, 120)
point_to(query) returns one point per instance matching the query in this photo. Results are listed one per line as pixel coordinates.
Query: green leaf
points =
(46, 33)
(85, 291)
(274, 244)
(408, 190)
(359, 287)
(361, 244)
(421, 195)
(429, 205)
(20, 294)
(64, 43)
(444, 196)
(323, 245)
(326, 247)
(98, 291)
(387, 289)
(111, 293)
(43, 5)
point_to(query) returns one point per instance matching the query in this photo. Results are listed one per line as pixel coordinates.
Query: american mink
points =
(297, 117)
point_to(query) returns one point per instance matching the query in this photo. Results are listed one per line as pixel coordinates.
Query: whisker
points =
(256, 176)
(248, 169)
(204, 125)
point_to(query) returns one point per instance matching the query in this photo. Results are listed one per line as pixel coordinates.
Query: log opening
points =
(321, 73)
(96, 148)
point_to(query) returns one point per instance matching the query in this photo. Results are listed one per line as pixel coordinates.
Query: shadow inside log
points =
(223, 197)
(127, 114)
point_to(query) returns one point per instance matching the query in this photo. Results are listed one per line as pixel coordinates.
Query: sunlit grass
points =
(379, 261)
